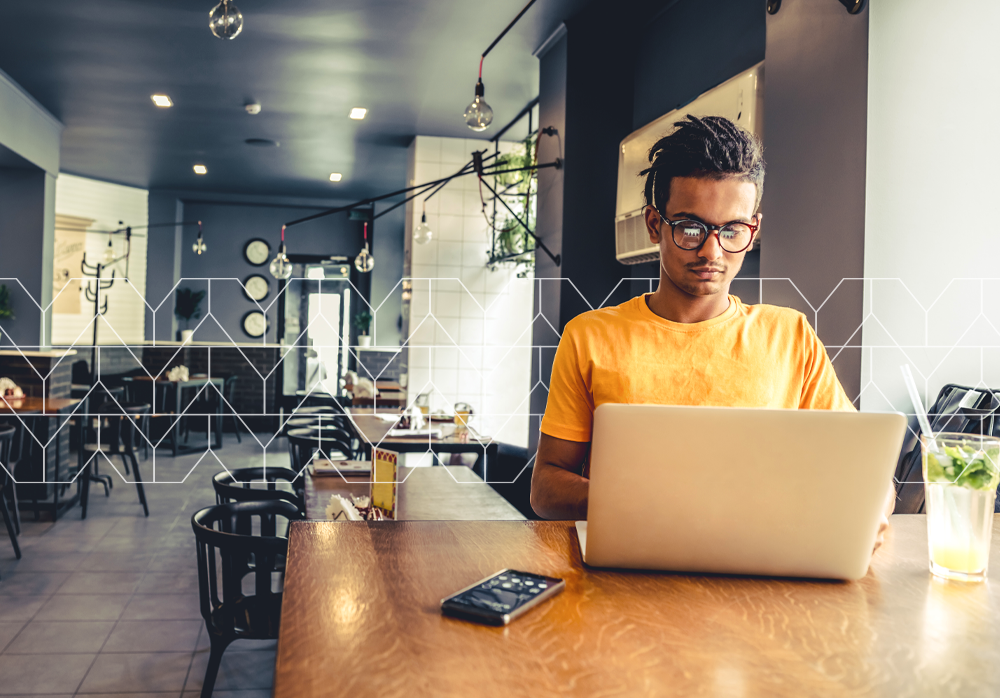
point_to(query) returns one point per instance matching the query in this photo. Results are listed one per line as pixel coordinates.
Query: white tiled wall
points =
(470, 328)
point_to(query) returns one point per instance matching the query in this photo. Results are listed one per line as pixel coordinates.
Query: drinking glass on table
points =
(463, 411)
(961, 472)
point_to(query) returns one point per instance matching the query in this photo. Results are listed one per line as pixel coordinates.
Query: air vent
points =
(632, 245)
(262, 142)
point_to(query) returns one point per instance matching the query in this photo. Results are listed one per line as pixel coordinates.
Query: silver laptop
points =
(796, 493)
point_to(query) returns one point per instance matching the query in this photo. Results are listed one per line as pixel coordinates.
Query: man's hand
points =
(883, 525)
(558, 488)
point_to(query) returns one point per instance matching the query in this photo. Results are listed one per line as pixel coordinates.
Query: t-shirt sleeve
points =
(569, 411)
(821, 389)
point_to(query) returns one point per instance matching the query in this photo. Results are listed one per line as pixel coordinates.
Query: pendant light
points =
(199, 246)
(225, 20)
(479, 115)
(422, 234)
(280, 267)
(364, 262)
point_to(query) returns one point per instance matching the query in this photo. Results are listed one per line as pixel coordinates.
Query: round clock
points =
(255, 324)
(257, 252)
(256, 287)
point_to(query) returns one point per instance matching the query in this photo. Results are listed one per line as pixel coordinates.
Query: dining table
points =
(170, 404)
(373, 426)
(448, 493)
(43, 442)
(361, 616)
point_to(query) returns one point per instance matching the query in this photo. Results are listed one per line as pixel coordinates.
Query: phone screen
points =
(501, 597)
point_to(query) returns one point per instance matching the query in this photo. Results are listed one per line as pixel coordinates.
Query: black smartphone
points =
(501, 597)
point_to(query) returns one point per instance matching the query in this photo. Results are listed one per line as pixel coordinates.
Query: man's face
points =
(709, 270)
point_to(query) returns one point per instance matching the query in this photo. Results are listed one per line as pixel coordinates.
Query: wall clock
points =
(254, 324)
(257, 287)
(257, 252)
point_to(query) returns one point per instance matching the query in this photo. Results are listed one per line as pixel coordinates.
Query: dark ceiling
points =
(95, 63)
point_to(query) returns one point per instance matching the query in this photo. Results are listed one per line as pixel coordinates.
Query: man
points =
(690, 342)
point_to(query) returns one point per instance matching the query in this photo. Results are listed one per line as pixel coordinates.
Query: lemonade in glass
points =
(961, 474)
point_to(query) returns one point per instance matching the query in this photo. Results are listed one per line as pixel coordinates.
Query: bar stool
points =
(126, 426)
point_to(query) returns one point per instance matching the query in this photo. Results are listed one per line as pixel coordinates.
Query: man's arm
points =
(558, 488)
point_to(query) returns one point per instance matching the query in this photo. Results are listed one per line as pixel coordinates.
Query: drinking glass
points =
(462, 413)
(960, 481)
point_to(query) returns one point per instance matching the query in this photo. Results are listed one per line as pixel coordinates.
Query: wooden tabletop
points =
(360, 617)
(36, 405)
(374, 430)
(440, 493)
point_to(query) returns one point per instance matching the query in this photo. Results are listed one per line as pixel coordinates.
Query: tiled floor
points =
(109, 606)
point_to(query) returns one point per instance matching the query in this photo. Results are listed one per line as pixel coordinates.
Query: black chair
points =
(228, 411)
(6, 484)
(304, 443)
(273, 484)
(224, 536)
(511, 479)
(16, 456)
(126, 424)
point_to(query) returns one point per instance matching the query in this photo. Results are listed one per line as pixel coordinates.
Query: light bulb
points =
(478, 115)
(422, 234)
(199, 245)
(225, 21)
(364, 262)
(109, 254)
(280, 267)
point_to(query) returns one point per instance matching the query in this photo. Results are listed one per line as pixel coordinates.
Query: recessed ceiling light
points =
(358, 113)
(161, 100)
(200, 169)
(336, 176)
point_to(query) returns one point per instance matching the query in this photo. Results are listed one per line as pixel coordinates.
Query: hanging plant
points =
(512, 245)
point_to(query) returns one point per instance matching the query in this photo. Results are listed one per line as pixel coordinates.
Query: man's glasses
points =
(691, 235)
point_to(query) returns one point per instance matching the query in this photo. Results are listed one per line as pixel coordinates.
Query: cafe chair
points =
(6, 485)
(16, 456)
(272, 484)
(226, 541)
(126, 425)
(303, 444)
(509, 477)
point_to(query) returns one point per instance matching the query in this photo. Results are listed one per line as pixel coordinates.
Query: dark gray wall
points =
(669, 74)
(386, 289)
(163, 267)
(816, 108)
(551, 112)
(26, 238)
(227, 228)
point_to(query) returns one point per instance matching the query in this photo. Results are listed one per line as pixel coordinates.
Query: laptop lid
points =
(736, 490)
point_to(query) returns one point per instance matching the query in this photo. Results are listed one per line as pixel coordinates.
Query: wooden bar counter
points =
(361, 618)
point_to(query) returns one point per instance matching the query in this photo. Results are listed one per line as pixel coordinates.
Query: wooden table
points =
(177, 388)
(447, 493)
(360, 618)
(33, 476)
(373, 431)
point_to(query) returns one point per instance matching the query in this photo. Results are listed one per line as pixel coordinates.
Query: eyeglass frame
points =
(709, 230)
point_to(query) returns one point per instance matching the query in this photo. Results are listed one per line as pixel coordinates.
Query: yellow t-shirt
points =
(750, 356)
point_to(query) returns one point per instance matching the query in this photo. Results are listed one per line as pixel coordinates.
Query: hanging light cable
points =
(225, 20)
(364, 262)
(109, 252)
(280, 267)
(478, 115)
(422, 234)
(199, 246)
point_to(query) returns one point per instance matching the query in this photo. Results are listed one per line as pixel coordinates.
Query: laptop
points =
(791, 493)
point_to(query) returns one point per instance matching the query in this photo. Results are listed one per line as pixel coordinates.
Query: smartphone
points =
(501, 597)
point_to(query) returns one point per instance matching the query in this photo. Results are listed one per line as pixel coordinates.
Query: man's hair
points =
(712, 148)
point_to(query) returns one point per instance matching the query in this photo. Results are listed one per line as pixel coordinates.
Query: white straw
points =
(918, 406)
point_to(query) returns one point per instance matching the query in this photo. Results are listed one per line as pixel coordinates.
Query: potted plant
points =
(6, 312)
(187, 308)
(363, 321)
